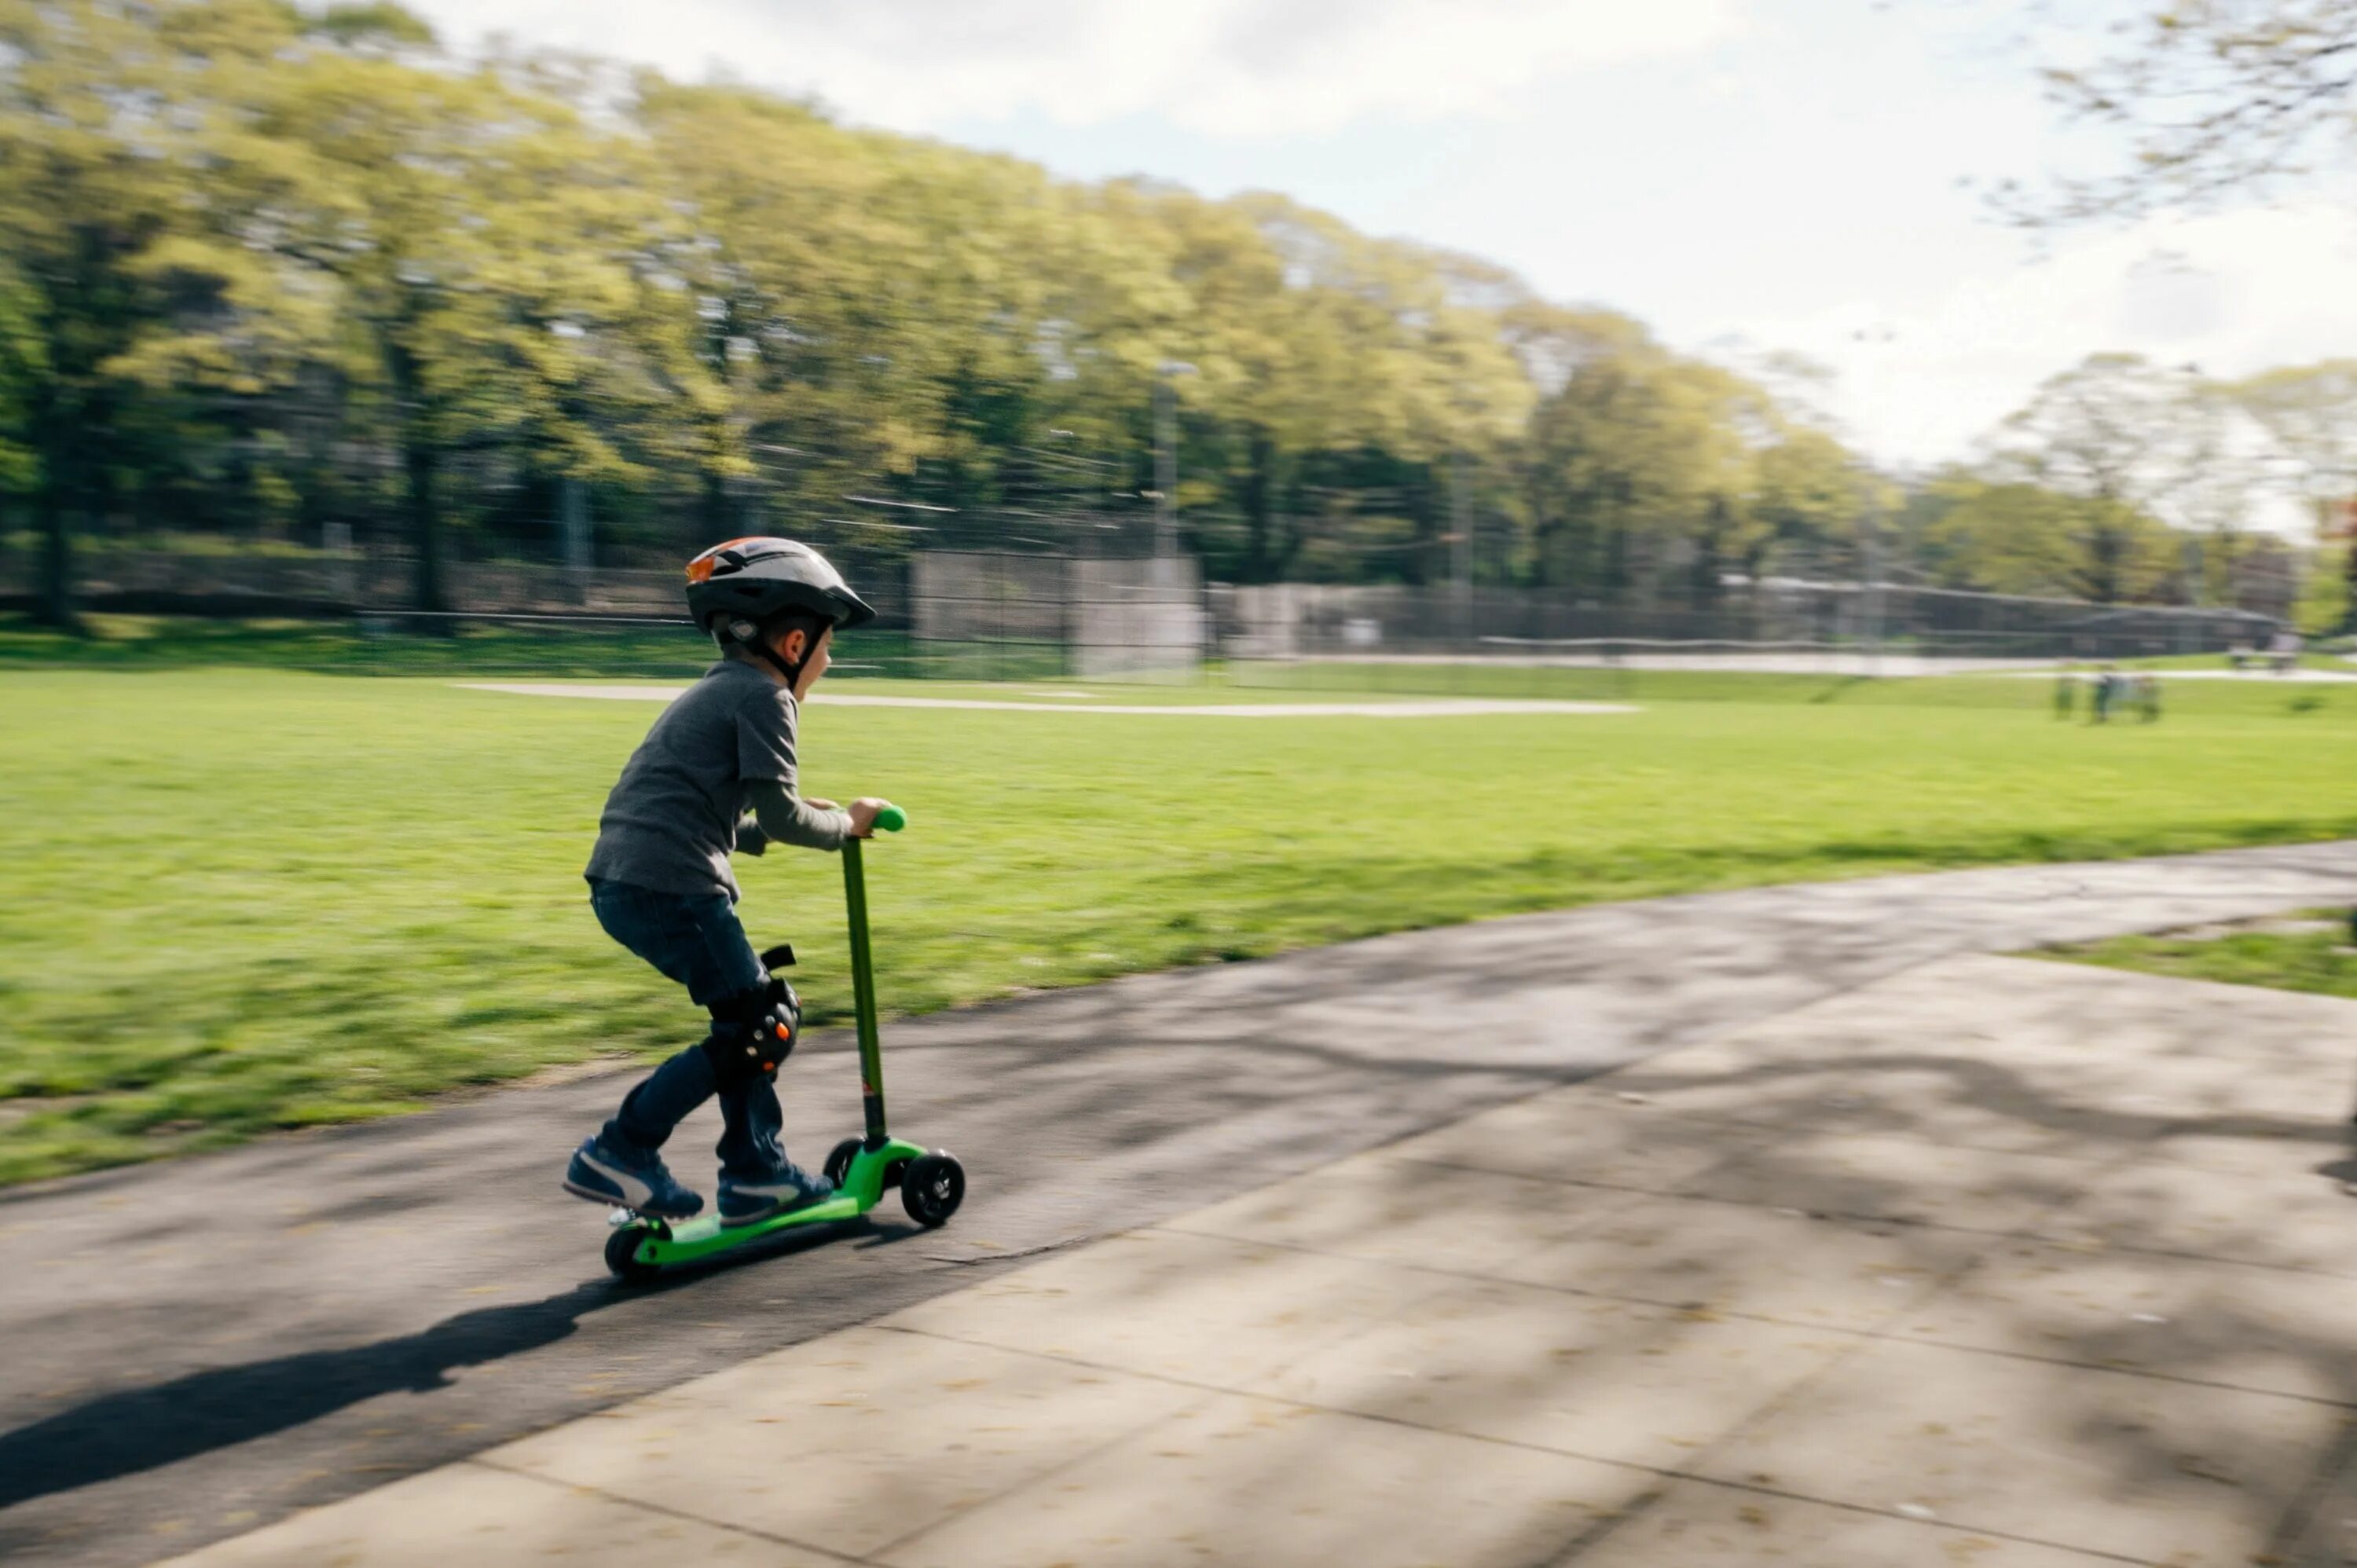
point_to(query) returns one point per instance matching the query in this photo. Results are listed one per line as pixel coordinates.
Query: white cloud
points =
(2233, 293)
(1235, 69)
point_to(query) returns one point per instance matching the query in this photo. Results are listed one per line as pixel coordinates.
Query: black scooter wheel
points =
(838, 1160)
(932, 1187)
(622, 1256)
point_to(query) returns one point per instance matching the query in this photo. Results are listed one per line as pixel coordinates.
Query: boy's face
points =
(790, 646)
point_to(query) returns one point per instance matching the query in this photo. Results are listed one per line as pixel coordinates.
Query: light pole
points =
(1166, 456)
(1869, 534)
(1870, 564)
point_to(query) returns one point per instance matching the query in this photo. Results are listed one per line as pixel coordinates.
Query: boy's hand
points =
(863, 816)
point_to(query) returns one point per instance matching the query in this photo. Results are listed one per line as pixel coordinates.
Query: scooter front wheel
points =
(932, 1187)
(622, 1255)
(838, 1160)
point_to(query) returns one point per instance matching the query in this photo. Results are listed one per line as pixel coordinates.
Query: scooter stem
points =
(863, 979)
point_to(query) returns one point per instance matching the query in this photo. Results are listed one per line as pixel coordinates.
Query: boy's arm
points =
(765, 761)
(782, 817)
(750, 839)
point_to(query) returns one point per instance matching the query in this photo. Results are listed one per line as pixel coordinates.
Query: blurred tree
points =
(282, 265)
(2310, 411)
(24, 367)
(497, 270)
(1642, 457)
(1809, 491)
(2126, 437)
(2017, 537)
(2217, 98)
(84, 190)
(2109, 427)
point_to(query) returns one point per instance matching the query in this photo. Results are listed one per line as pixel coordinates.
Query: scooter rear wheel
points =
(932, 1187)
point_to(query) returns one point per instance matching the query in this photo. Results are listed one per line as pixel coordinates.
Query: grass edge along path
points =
(2308, 950)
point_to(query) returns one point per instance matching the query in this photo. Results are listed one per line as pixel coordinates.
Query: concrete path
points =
(1999, 1262)
(202, 1347)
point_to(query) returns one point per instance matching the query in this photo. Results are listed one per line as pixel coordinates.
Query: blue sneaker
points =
(603, 1174)
(745, 1199)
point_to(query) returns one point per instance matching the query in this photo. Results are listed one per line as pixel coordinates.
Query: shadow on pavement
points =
(141, 1429)
(132, 1430)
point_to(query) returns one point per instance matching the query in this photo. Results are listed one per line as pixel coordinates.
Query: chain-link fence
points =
(1293, 623)
(999, 615)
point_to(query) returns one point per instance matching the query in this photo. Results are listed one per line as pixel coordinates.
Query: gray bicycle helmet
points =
(735, 590)
(762, 577)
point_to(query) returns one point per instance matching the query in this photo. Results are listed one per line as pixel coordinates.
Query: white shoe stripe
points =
(636, 1194)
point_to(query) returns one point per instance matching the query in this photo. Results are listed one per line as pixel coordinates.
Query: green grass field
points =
(240, 898)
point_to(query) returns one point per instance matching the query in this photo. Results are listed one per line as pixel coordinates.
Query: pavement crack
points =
(970, 1260)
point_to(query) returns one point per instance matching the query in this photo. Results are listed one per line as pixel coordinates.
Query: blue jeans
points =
(695, 939)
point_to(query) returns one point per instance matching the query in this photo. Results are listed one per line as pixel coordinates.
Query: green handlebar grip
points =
(891, 820)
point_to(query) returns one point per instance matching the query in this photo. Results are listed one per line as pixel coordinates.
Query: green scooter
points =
(932, 1182)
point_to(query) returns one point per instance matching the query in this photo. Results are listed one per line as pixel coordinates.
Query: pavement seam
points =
(1860, 1217)
(1344, 1413)
(1062, 1244)
(1027, 1482)
(2044, 1237)
(1807, 1383)
(2300, 1512)
(1931, 1289)
(483, 1461)
(1603, 1528)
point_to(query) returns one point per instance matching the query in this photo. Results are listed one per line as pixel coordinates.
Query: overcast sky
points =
(1782, 174)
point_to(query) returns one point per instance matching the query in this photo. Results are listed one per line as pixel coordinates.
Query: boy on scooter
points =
(715, 774)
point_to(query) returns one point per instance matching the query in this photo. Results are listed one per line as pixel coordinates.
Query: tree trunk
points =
(1614, 578)
(54, 497)
(2103, 557)
(419, 460)
(52, 520)
(1702, 574)
(425, 525)
(1260, 510)
(719, 525)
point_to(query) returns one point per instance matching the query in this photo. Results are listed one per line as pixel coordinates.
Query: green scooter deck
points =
(662, 1242)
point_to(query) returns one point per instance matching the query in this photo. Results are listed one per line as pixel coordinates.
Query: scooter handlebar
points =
(891, 820)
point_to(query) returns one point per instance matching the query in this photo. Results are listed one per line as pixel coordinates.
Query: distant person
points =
(2282, 652)
(2066, 692)
(2147, 697)
(2107, 689)
(714, 775)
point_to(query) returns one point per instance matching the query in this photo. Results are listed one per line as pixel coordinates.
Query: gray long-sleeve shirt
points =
(715, 774)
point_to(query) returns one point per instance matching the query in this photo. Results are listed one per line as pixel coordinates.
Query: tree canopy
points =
(263, 270)
(2215, 99)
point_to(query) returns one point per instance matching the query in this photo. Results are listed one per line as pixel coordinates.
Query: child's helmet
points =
(760, 578)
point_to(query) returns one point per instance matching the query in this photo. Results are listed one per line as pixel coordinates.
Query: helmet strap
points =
(793, 672)
(759, 643)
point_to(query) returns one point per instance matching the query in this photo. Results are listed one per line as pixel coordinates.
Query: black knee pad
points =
(754, 1033)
